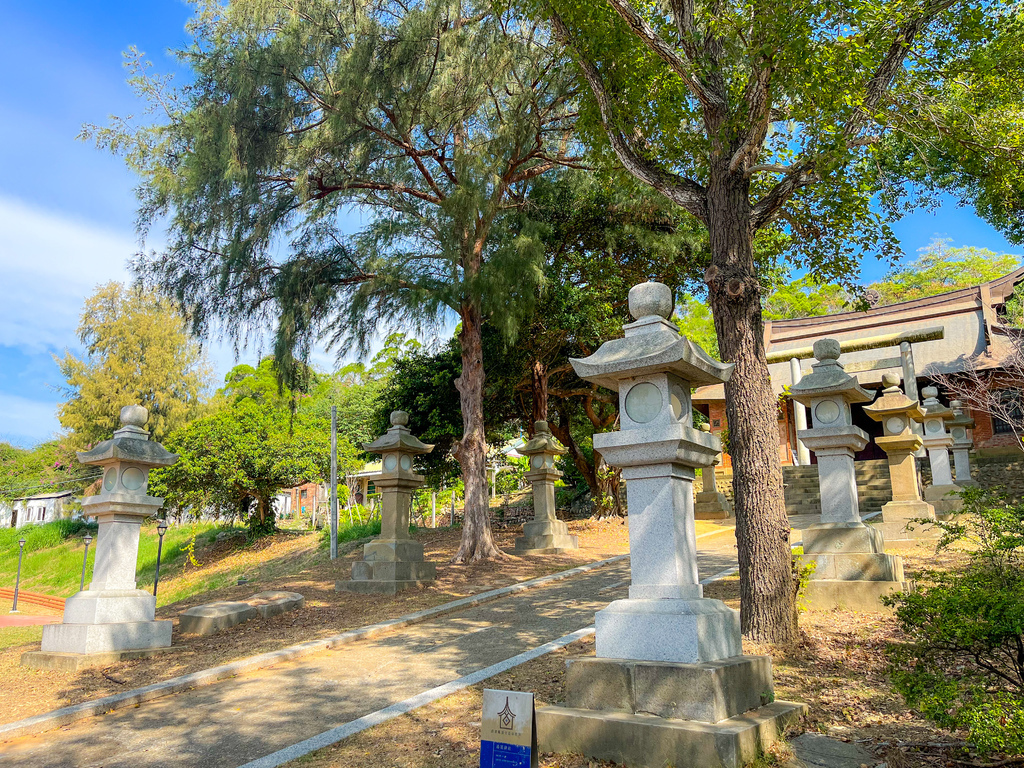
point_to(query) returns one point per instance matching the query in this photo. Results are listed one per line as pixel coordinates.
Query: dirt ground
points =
(837, 668)
(327, 612)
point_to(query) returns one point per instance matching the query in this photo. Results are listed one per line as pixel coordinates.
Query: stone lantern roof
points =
(933, 408)
(541, 442)
(398, 438)
(893, 402)
(130, 443)
(828, 377)
(961, 417)
(651, 345)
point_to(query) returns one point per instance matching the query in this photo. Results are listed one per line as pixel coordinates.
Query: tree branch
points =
(684, 192)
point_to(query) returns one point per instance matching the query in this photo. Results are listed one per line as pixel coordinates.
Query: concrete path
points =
(241, 719)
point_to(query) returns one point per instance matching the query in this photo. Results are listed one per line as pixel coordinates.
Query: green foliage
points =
(351, 531)
(962, 665)
(941, 268)
(235, 460)
(138, 351)
(49, 467)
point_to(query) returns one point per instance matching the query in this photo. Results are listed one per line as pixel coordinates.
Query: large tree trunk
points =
(539, 387)
(767, 589)
(471, 451)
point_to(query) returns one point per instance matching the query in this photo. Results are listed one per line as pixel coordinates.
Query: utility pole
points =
(334, 482)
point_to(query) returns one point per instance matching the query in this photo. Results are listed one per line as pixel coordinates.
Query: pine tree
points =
(431, 117)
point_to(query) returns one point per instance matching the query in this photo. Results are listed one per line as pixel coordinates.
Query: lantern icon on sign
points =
(506, 718)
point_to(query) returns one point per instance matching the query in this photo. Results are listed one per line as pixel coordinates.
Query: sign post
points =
(508, 730)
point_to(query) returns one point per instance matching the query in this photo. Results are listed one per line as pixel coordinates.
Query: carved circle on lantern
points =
(643, 402)
(536, 461)
(133, 478)
(110, 479)
(678, 400)
(390, 462)
(406, 462)
(826, 411)
(895, 424)
(959, 433)
(933, 426)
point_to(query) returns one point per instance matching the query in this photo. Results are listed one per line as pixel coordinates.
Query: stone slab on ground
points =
(648, 741)
(275, 602)
(213, 617)
(816, 751)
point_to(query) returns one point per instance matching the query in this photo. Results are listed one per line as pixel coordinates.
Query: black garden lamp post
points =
(17, 581)
(161, 529)
(85, 559)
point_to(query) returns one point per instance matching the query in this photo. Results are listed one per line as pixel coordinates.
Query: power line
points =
(88, 478)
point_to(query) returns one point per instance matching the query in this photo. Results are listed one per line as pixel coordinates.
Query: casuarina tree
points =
(428, 120)
(779, 120)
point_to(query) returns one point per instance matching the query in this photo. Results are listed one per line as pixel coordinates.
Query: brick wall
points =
(985, 437)
(716, 415)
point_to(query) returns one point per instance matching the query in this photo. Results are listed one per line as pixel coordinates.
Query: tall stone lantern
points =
(897, 413)
(545, 534)
(937, 441)
(669, 684)
(962, 443)
(394, 560)
(851, 567)
(112, 616)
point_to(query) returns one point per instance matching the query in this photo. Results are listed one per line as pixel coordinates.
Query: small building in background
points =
(36, 510)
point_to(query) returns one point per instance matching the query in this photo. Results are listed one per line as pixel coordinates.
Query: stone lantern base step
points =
(866, 596)
(73, 662)
(546, 545)
(678, 631)
(898, 535)
(387, 577)
(855, 566)
(649, 741)
(709, 505)
(944, 498)
(106, 638)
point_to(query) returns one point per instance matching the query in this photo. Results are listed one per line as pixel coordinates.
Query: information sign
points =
(508, 730)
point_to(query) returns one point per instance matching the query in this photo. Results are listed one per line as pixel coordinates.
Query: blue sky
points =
(67, 209)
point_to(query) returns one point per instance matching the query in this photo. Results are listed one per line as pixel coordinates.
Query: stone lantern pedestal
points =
(112, 618)
(670, 684)
(897, 412)
(545, 534)
(851, 568)
(962, 444)
(709, 503)
(937, 441)
(394, 560)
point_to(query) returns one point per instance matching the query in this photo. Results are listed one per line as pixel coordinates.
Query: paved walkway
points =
(238, 720)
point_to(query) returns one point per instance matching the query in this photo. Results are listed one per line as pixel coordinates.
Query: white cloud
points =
(50, 263)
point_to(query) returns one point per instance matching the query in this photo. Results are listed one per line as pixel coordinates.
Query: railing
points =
(33, 598)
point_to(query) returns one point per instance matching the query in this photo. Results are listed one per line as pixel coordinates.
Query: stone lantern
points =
(962, 444)
(669, 684)
(112, 617)
(546, 534)
(937, 441)
(851, 567)
(897, 413)
(709, 503)
(394, 560)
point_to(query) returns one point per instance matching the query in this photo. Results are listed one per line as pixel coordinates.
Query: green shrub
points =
(43, 536)
(352, 531)
(963, 664)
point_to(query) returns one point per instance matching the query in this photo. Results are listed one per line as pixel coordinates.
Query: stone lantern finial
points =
(650, 300)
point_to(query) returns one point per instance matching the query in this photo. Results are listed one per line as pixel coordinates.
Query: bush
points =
(43, 536)
(352, 531)
(963, 665)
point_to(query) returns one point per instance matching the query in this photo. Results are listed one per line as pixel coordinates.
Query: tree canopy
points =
(138, 350)
(434, 117)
